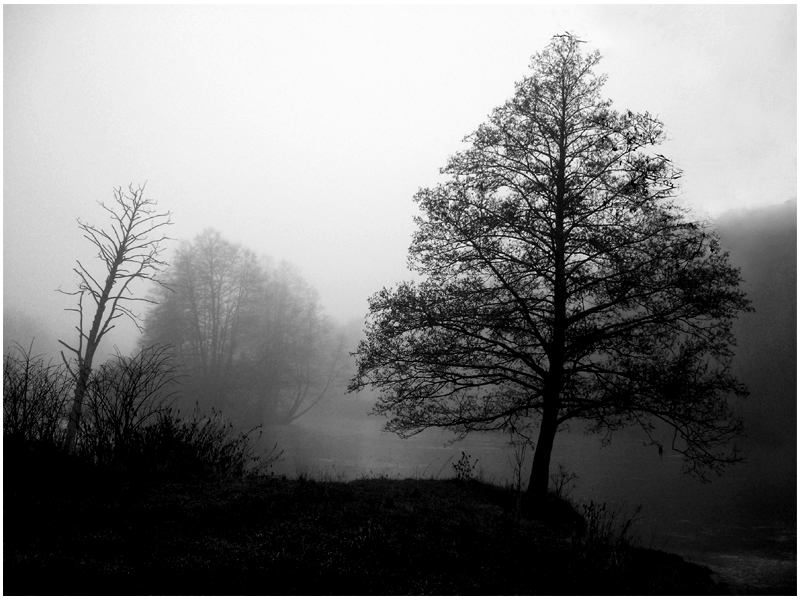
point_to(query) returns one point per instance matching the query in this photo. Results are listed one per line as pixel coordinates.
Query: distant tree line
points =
(249, 335)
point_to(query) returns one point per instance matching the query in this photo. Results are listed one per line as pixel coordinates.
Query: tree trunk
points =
(84, 373)
(77, 410)
(92, 341)
(540, 470)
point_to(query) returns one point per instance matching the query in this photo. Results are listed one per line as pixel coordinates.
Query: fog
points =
(303, 133)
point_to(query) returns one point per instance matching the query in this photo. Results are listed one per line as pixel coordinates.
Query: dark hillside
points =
(307, 537)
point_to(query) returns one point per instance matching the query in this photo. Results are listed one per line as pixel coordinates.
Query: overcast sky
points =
(303, 132)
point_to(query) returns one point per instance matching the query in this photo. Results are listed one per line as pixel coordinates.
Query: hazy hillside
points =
(763, 243)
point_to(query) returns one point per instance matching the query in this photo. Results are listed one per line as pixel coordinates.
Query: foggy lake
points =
(742, 524)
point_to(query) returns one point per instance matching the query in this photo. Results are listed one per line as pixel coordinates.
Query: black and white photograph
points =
(399, 300)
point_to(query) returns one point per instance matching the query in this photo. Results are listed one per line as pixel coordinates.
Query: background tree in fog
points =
(212, 299)
(129, 250)
(560, 281)
(296, 356)
(250, 336)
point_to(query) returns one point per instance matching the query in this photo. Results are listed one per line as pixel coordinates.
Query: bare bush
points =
(128, 423)
(204, 446)
(124, 395)
(561, 482)
(464, 469)
(608, 533)
(36, 396)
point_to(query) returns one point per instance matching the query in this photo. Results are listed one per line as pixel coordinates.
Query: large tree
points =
(560, 281)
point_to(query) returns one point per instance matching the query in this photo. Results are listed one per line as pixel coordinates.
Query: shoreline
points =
(303, 536)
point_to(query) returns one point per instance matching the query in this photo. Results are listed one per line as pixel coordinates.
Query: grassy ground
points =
(64, 535)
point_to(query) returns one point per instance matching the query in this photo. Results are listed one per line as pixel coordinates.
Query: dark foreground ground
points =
(277, 536)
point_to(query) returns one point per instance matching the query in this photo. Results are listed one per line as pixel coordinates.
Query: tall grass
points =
(608, 535)
(608, 527)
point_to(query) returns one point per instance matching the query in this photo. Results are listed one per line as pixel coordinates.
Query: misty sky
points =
(303, 132)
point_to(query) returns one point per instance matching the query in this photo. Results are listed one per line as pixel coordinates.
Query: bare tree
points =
(130, 252)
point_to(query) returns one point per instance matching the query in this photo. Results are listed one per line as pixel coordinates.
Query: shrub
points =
(128, 426)
(606, 527)
(561, 482)
(123, 396)
(464, 469)
(607, 535)
(202, 446)
(36, 397)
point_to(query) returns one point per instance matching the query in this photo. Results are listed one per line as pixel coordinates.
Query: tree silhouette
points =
(560, 281)
(129, 252)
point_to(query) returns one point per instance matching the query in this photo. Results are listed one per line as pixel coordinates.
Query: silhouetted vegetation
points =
(128, 430)
(276, 536)
(184, 527)
(36, 397)
(130, 252)
(152, 502)
(559, 281)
